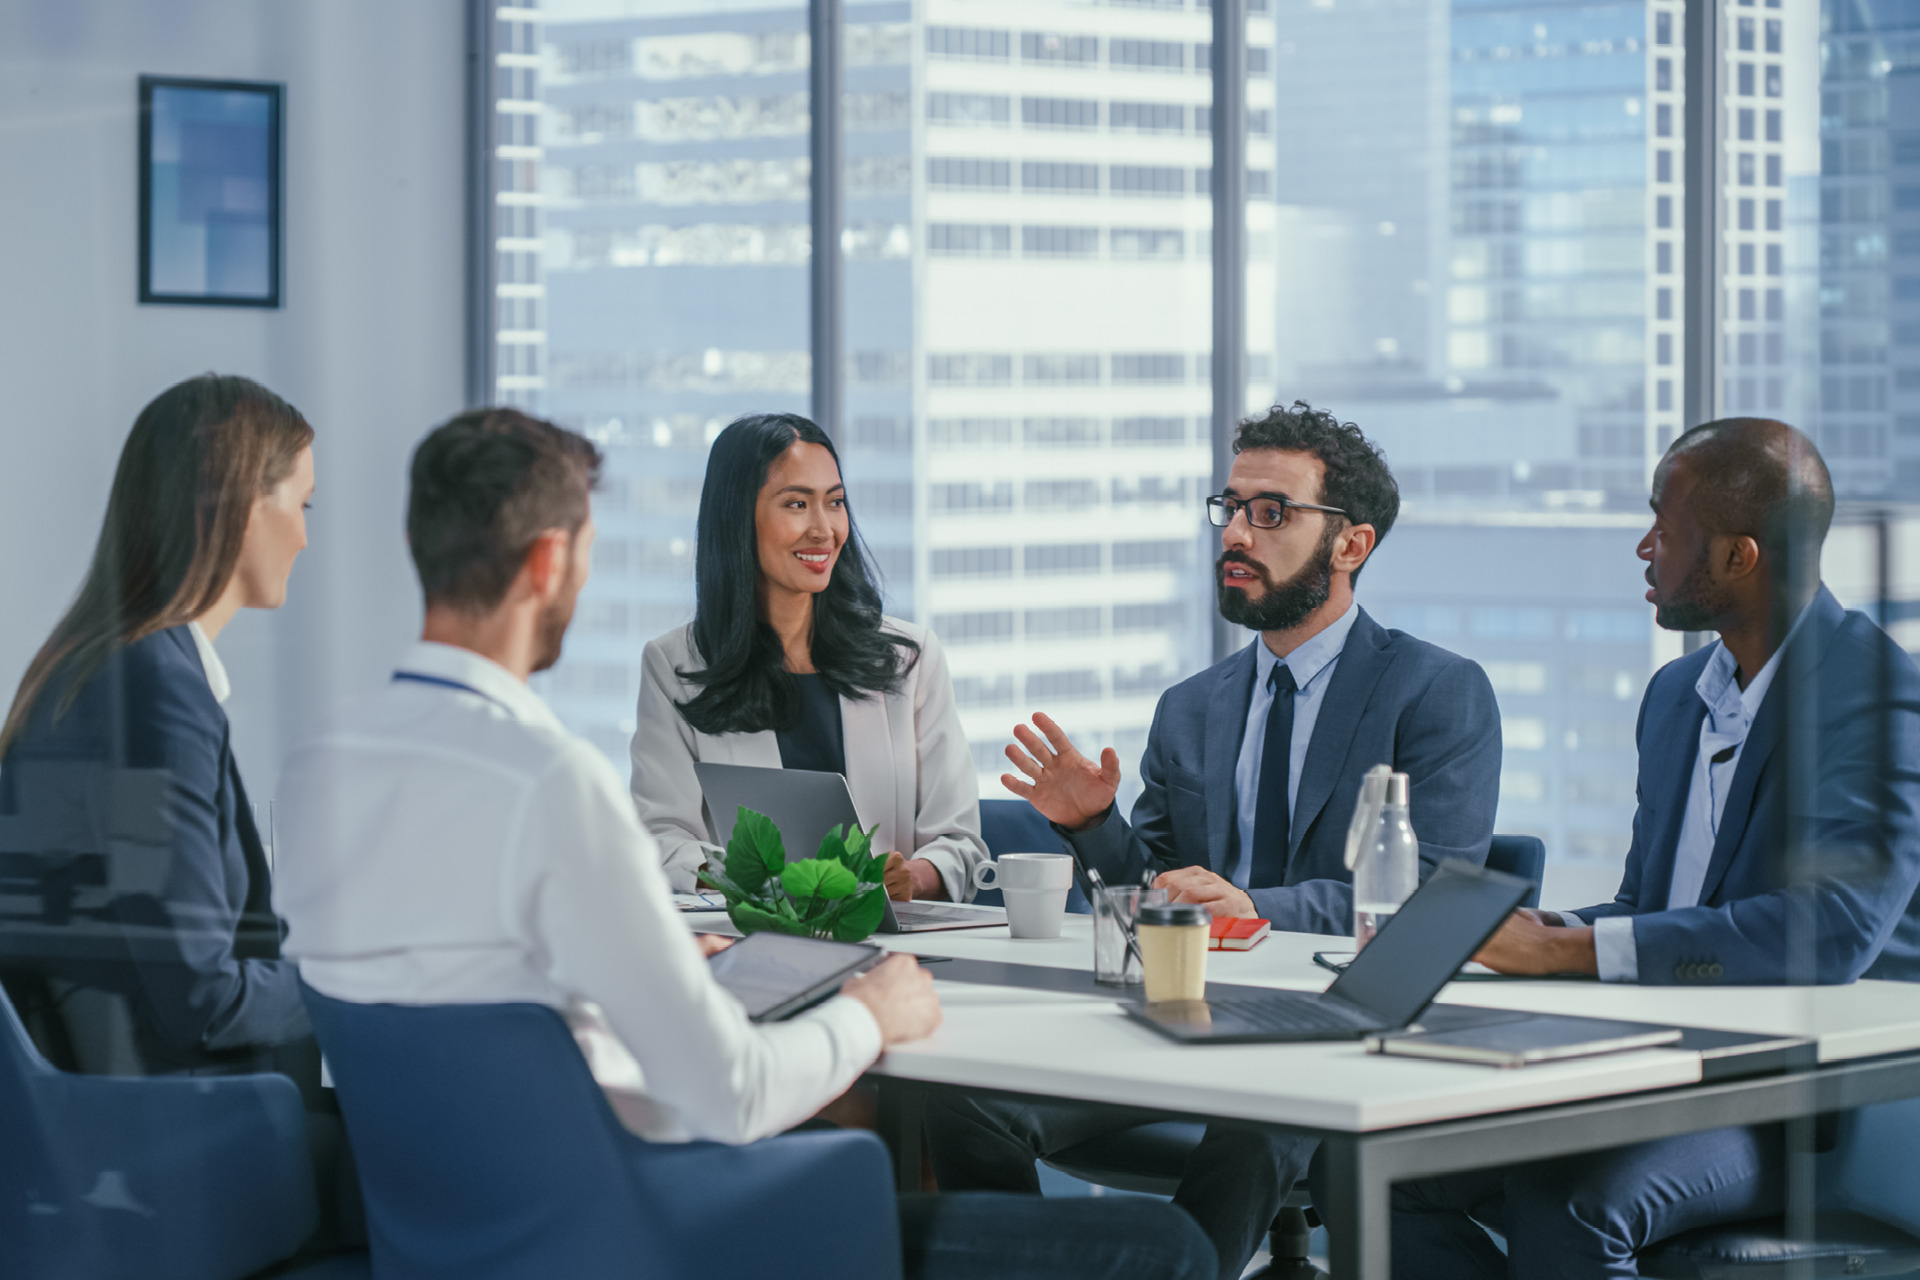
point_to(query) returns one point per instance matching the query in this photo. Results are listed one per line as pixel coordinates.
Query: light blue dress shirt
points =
(1730, 713)
(1312, 665)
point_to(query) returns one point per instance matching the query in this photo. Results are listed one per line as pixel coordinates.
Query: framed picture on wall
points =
(210, 192)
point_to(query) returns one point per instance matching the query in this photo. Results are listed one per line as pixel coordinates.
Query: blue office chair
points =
(487, 1151)
(146, 1178)
(1151, 1157)
(1866, 1207)
(1014, 826)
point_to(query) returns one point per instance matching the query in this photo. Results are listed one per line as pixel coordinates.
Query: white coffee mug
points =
(1034, 886)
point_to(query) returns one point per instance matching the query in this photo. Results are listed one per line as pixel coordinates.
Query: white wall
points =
(368, 344)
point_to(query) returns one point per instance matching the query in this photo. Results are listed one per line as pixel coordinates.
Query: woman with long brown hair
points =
(146, 872)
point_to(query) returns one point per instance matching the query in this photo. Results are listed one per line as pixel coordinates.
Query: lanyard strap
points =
(417, 678)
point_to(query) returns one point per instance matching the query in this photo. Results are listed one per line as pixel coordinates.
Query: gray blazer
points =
(1393, 700)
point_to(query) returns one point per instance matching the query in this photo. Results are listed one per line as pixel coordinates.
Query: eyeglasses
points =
(1264, 510)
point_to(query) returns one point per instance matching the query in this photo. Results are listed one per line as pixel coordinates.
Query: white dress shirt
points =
(1730, 713)
(1312, 664)
(210, 663)
(447, 841)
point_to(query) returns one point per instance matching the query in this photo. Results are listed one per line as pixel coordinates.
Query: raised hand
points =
(1066, 786)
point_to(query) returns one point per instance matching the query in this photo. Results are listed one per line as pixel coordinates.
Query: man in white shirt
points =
(447, 841)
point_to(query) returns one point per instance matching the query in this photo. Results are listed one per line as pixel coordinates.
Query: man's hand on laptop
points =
(899, 994)
(1532, 943)
(1067, 788)
(1220, 896)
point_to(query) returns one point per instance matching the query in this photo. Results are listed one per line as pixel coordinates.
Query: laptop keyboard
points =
(1291, 1016)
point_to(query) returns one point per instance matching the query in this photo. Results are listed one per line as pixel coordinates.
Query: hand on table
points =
(1528, 943)
(1197, 884)
(1067, 788)
(711, 944)
(909, 878)
(899, 994)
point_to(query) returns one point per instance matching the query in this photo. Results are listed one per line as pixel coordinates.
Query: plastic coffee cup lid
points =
(1175, 913)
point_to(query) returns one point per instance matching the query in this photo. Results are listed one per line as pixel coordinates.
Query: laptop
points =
(804, 806)
(1387, 986)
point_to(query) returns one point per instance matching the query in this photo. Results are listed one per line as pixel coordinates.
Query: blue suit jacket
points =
(1393, 700)
(1844, 912)
(136, 782)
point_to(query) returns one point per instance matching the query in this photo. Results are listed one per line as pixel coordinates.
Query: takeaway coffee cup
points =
(1034, 886)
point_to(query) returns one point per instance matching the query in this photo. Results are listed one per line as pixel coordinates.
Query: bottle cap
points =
(1397, 789)
(1175, 913)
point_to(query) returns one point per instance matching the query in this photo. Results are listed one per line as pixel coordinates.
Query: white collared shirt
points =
(210, 663)
(447, 841)
(1312, 664)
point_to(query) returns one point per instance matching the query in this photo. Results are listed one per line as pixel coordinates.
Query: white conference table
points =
(1384, 1119)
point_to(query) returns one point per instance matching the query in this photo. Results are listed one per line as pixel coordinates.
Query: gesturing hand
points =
(1067, 787)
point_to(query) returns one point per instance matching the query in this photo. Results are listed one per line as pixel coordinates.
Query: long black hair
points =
(745, 686)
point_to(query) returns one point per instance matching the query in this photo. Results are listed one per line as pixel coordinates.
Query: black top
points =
(814, 739)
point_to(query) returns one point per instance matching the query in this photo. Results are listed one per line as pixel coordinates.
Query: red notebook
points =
(1236, 933)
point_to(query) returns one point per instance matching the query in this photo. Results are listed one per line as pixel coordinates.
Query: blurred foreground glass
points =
(1116, 911)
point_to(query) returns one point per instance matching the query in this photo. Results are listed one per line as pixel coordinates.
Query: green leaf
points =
(817, 878)
(754, 852)
(856, 921)
(754, 919)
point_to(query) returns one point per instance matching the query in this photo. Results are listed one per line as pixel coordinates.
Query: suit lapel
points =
(1226, 725)
(1363, 660)
(871, 777)
(1823, 618)
(1670, 777)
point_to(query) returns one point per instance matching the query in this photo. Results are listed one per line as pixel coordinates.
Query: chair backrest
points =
(484, 1147)
(1523, 856)
(1014, 826)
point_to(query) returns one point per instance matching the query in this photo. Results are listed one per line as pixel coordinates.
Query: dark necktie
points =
(1270, 819)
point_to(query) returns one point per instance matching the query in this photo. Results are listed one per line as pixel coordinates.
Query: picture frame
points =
(210, 191)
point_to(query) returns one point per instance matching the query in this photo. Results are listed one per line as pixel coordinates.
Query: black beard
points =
(1282, 606)
(552, 635)
(1693, 606)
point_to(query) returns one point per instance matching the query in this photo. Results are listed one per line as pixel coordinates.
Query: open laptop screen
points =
(1420, 949)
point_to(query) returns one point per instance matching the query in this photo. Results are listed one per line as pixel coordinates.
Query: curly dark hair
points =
(1357, 478)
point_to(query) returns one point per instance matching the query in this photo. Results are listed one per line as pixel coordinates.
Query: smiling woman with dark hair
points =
(790, 663)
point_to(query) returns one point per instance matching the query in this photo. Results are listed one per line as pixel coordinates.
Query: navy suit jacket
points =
(1393, 700)
(1843, 912)
(136, 782)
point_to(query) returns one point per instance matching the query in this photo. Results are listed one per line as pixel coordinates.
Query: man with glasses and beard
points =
(1249, 779)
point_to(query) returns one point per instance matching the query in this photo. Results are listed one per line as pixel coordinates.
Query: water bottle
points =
(1387, 869)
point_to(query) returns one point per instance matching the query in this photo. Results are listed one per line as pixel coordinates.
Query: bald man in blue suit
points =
(1727, 880)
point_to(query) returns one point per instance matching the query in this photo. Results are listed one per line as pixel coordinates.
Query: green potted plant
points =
(838, 893)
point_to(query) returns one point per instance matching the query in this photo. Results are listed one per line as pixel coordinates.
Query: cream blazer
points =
(908, 765)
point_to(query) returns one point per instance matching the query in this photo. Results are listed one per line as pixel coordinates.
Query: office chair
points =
(1523, 856)
(146, 1178)
(1014, 826)
(1151, 1157)
(486, 1151)
(1866, 1206)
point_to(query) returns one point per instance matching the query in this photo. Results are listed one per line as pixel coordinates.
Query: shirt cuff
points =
(1615, 950)
(1568, 920)
(683, 864)
(854, 1033)
(954, 872)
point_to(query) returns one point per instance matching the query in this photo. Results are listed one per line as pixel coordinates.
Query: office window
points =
(970, 239)
(980, 627)
(1063, 50)
(1150, 431)
(1147, 55)
(1059, 177)
(1064, 557)
(1060, 113)
(1147, 180)
(968, 42)
(958, 173)
(968, 108)
(1166, 244)
(972, 562)
(1149, 117)
(1149, 367)
(1062, 433)
(1060, 370)
(1059, 242)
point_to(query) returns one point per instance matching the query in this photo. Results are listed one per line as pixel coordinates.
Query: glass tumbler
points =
(1114, 963)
